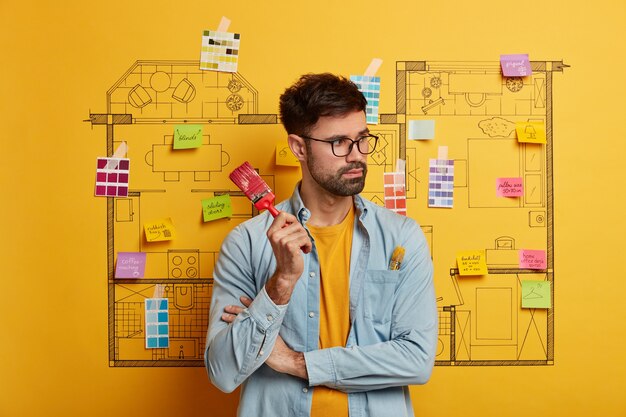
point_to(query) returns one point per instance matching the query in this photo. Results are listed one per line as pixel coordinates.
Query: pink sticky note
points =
(532, 259)
(509, 187)
(130, 265)
(515, 65)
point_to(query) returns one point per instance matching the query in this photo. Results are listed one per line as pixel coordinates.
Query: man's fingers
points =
(228, 318)
(245, 301)
(233, 309)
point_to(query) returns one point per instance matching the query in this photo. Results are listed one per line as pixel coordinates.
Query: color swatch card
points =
(395, 192)
(157, 323)
(370, 87)
(471, 262)
(130, 265)
(515, 65)
(187, 136)
(220, 51)
(421, 129)
(532, 259)
(284, 156)
(509, 187)
(440, 183)
(217, 208)
(531, 132)
(112, 177)
(536, 294)
(159, 230)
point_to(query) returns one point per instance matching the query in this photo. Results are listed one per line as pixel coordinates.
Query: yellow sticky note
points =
(471, 262)
(531, 132)
(284, 156)
(159, 230)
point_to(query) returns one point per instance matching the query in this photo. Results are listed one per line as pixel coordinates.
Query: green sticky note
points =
(187, 136)
(217, 208)
(536, 294)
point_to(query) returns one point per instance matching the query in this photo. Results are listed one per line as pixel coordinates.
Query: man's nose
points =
(355, 155)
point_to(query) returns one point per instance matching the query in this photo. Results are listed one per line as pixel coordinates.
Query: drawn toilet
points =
(183, 296)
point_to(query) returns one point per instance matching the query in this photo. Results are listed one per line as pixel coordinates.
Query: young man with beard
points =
(306, 314)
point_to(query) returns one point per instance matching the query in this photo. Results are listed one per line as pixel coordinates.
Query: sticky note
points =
(217, 208)
(187, 136)
(220, 51)
(509, 187)
(370, 87)
(159, 230)
(536, 294)
(531, 132)
(130, 265)
(395, 192)
(532, 259)
(284, 156)
(471, 262)
(157, 323)
(515, 65)
(421, 129)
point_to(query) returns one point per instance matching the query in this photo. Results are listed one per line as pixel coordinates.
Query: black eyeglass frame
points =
(331, 142)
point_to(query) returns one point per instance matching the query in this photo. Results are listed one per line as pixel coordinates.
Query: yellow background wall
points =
(59, 58)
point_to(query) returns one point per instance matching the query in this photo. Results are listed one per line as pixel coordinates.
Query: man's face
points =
(341, 176)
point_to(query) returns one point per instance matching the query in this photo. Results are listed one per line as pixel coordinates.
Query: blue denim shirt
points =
(393, 314)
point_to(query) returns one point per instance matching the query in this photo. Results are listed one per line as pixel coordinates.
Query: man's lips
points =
(354, 173)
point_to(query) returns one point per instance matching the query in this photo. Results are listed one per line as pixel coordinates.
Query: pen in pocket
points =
(396, 258)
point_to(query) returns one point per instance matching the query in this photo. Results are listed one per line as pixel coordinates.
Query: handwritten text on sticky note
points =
(536, 294)
(515, 65)
(509, 187)
(187, 136)
(159, 230)
(532, 259)
(217, 208)
(471, 262)
(130, 265)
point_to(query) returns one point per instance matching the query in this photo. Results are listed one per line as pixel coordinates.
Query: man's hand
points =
(287, 361)
(282, 359)
(230, 312)
(289, 240)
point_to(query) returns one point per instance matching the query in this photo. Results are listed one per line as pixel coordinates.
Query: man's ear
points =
(297, 146)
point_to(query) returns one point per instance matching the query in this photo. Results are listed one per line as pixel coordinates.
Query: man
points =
(306, 314)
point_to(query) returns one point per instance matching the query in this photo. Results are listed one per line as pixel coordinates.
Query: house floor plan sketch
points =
(475, 110)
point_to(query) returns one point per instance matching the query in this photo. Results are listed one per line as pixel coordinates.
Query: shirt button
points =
(269, 317)
(305, 390)
(311, 314)
(312, 274)
(261, 353)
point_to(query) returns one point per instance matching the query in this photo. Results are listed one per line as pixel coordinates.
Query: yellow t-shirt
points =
(334, 244)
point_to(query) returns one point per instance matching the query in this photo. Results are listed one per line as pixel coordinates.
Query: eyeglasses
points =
(342, 146)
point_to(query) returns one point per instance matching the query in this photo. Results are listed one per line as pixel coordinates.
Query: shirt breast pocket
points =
(378, 293)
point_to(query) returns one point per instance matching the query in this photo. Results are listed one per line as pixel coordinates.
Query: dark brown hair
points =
(317, 95)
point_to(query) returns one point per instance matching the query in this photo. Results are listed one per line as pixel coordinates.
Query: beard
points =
(333, 182)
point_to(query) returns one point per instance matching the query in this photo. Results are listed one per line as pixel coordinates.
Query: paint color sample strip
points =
(220, 51)
(395, 192)
(440, 183)
(370, 87)
(112, 176)
(157, 323)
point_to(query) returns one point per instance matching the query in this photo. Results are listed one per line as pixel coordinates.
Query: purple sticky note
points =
(532, 259)
(130, 265)
(516, 65)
